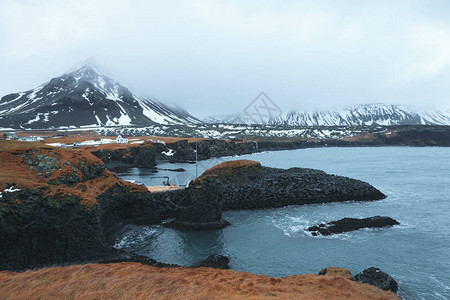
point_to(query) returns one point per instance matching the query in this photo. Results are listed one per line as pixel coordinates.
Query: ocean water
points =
(274, 242)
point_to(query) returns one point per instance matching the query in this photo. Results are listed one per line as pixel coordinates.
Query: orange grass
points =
(136, 281)
(15, 172)
(230, 169)
(234, 164)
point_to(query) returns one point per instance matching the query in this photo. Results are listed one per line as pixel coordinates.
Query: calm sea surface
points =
(273, 241)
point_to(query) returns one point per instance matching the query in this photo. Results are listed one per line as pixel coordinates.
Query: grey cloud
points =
(214, 57)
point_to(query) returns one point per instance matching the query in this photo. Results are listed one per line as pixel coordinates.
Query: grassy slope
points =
(14, 172)
(136, 281)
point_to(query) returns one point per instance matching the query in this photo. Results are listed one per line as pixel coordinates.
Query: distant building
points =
(122, 139)
(28, 138)
(10, 136)
(31, 139)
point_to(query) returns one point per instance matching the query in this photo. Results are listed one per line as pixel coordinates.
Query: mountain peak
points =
(88, 72)
(85, 97)
(88, 67)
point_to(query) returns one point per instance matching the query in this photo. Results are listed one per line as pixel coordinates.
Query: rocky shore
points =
(62, 206)
(244, 184)
(351, 224)
(149, 154)
(58, 206)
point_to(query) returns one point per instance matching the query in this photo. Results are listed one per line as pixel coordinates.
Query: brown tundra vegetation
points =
(136, 281)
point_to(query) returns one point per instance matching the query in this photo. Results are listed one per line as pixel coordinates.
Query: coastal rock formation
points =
(59, 205)
(350, 224)
(134, 258)
(145, 155)
(149, 153)
(244, 184)
(337, 272)
(137, 281)
(215, 261)
(378, 278)
(198, 210)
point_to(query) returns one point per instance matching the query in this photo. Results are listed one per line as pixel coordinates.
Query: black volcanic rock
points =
(85, 97)
(378, 278)
(350, 224)
(198, 210)
(246, 184)
(214, 261)
(65, 208)
(144, 260)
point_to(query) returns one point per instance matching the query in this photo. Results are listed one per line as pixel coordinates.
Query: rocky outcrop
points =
(198, 210)
(378, 278)
(145, 155)
(244, 184)
(59, 205)
(372, 275)
(419, 136)
(143, 260)
(149, 154)
(336, 272)
(183, 150)
(215, 261)
(350, 224)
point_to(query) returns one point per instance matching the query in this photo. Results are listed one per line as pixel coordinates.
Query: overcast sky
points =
(214, 57)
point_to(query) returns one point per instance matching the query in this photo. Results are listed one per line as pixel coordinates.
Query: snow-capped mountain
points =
(366, 114)
(85, 97)
(228, 119)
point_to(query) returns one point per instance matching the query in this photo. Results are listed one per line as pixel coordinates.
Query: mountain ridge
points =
(374, 114)
(85, 97)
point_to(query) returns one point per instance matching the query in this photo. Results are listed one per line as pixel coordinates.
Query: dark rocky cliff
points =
(58, 206)
(245, 184)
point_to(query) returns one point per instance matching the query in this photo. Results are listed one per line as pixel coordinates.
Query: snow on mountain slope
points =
(439, 117)
(366, 114)
(229, 119)
(371, 114)
(85, 97)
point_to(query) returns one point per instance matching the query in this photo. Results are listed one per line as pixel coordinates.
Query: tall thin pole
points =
(196, 157)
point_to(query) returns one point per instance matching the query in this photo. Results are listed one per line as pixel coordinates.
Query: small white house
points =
(122, 139)
(31, 139)
(28, 139)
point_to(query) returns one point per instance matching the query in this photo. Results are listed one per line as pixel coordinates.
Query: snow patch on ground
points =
(171, 152)
(10, 190)
(157, 141)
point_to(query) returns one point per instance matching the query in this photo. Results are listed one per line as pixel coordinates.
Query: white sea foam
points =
(136, 236)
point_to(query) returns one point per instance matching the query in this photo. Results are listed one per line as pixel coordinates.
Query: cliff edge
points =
(58, 205)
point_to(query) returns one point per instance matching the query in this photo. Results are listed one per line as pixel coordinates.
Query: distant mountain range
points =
(85, 97)
(88, 98)
(366, 114)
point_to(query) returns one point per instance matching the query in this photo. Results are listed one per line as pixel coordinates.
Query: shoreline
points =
(90, 172)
